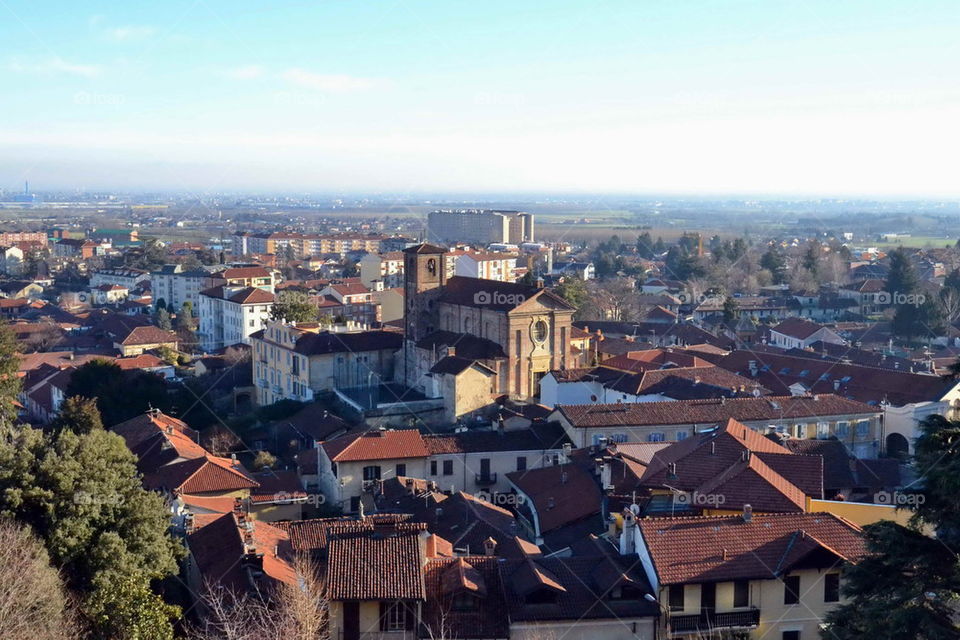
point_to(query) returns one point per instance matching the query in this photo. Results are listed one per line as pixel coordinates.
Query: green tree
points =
(120, 395)
(730, 309)
(162, 318)
(79, 415)
(293, 307)
(902, 278)
(909, 585)
(574, 291)
(774, 262)
(81, 495)
(10, 383)
(127, 608)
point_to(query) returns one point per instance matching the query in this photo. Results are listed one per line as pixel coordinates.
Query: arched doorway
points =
(897, 446)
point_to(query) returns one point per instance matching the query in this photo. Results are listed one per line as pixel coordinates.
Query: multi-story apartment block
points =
(304, 245)
(486, 265)
(125, 276)
(10, 238)
(480, 226)
(385, 267)
(230, 314)
(174, 285)
(293, 361)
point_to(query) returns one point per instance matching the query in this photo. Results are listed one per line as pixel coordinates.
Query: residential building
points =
(797, 333)
(126, 276)
(857, 424)
(294, 362)
(231, 314)
(486, 265)
(756, 575)
(11, 260)
(385, 267)
(480, 226)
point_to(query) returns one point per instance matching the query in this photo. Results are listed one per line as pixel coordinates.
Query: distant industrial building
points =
(479, 226)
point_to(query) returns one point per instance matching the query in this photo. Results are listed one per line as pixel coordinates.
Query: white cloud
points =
(129, 33)
(334, 83)
(52, 66)
(245, 72)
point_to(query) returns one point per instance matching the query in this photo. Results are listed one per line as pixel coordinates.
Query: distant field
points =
(917, 242)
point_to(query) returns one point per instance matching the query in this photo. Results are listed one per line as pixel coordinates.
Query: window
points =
(676, 597)
(681, 435)
(831, 587)
(741, 593)
(656, 436)
(539, 331)
(433, 467)
(823, 429)
(448, 467)
(863, 428)
(521, 463)
(791, 590)
(393, 616)
(401, 469)
(371, 473)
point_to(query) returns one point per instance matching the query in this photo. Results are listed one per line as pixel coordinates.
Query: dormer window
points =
(465, 602)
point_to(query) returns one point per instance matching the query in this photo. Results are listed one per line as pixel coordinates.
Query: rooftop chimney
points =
(747, 513)
(489, 547)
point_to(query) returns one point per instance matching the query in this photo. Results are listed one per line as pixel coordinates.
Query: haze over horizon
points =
(702, 97)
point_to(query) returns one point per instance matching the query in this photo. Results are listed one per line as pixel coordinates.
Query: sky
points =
(799, 97)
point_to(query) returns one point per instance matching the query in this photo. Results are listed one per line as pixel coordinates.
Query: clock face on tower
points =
(539, 331)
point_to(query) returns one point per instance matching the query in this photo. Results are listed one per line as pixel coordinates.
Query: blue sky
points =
(678, 96)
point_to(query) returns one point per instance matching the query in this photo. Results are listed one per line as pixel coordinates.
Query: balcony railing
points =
(712, 620)
(486, 479)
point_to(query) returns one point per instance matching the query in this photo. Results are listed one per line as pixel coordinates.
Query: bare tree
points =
(616, 298)
(292, 611)
(33, 600)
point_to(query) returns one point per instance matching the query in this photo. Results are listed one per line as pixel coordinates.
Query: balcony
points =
(485, 479)
(711, 620)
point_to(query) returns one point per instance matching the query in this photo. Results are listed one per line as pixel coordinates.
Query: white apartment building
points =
(386, 267)
(126, 277)
(488, 266)
(230, 314)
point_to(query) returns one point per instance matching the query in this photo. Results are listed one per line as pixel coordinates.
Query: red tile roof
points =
(712, 411)
(376, 445)
(383, 565)
(715, 549)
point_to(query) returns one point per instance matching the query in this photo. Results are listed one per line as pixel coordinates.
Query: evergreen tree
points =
(79, 415)
(774, 262)
(293, 307)
(163, 320)
(902, 278)
(574, 291)
(909, 585)
(10, 383)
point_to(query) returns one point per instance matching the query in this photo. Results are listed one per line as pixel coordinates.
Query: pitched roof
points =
(467, 345)
(311, 344)
(382, 565)
(799, 328)
(712, 411)
(493, 294)
(477, 575)
(533, 438)
(718, 549)
(376, 445)
(561, 494)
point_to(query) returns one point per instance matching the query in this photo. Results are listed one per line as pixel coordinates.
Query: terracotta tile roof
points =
(383, 565)
(561, 494)
(778, 372)
(137, 429)
(244, 272)
(208, 474)
(350, 289)
(585, 587)
(142, 361)
(504, 296)
(277, 486)
(376, 445)
(445, 578)
(713, 411)
(739, 466)
(231, 553)
(797, 328)
(716, 549)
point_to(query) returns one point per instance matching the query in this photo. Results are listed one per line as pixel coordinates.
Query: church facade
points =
(472, 341)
